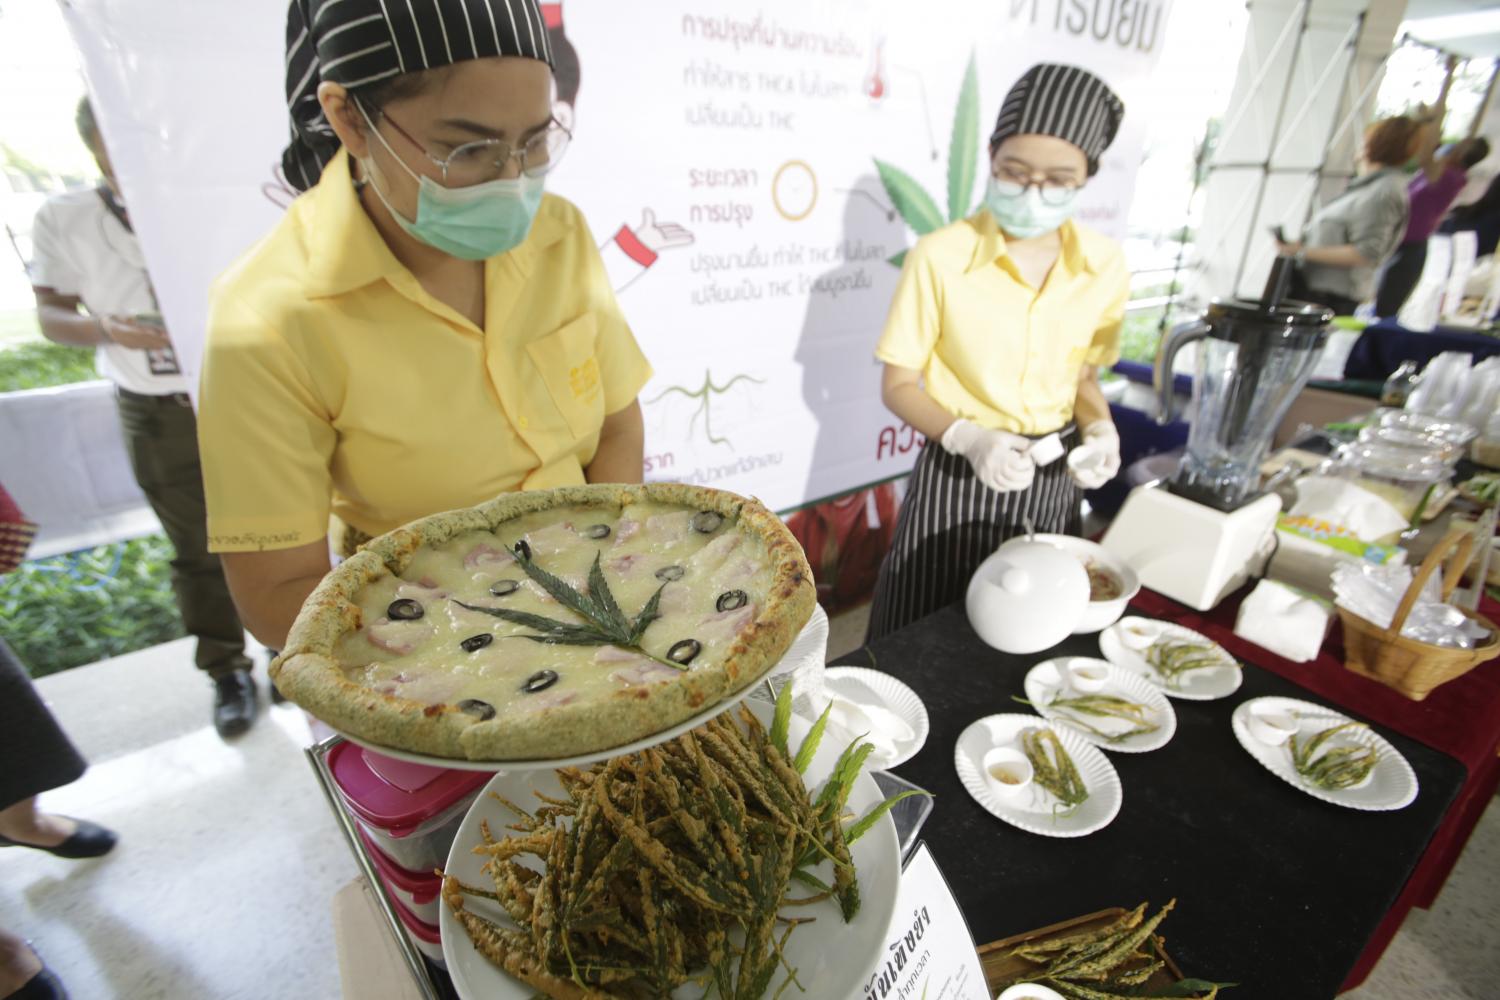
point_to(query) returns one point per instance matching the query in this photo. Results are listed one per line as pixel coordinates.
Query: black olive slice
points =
(474, 643)
(707, 521)
(504, 588)
(596, 531)
(481, 710)
(684, 651)
(523, 549)
(539, 681)
(732, 600)
(669, 573)
(404, 610)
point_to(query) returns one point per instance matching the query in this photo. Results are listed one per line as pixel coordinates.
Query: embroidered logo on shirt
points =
(584, 379)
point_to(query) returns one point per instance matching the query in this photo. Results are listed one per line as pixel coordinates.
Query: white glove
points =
(999, 458)
(1097, 460)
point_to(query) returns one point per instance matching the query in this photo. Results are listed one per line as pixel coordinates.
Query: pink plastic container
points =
(410, 811)
(427, 937)
(418, 891)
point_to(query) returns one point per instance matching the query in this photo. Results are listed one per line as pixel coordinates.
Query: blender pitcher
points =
(1253, 360)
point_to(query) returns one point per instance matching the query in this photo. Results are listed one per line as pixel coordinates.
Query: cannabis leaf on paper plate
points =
(916, 206)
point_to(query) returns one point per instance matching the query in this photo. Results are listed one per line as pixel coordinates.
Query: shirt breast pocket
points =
(569, 368)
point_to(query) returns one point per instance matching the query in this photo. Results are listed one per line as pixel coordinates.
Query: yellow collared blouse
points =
(989, 346)
(334, 383)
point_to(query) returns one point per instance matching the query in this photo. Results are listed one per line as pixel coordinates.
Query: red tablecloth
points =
(1460, 718)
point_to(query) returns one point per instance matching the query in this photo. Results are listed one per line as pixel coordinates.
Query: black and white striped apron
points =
(951, 522)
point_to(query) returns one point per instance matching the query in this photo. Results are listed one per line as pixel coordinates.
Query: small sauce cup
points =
(1007, 771)
(1087, 676)
(1272, 726)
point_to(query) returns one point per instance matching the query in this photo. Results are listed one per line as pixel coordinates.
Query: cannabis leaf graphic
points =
(916, 206)
(606, 624)
(704, 394)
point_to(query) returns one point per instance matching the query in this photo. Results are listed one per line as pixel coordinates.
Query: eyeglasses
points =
(1014, 182)
(487, 159)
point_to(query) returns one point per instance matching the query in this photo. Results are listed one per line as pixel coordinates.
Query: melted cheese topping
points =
(425, 659)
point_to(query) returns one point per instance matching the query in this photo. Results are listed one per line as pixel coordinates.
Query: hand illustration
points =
(659, 236)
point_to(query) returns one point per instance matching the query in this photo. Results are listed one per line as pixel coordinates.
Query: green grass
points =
(67, 611)
(37, 364)
(1140, 335)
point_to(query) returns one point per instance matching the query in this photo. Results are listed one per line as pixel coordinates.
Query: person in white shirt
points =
(92, 290)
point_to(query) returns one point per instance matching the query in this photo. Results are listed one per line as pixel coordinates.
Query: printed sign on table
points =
(929, 953)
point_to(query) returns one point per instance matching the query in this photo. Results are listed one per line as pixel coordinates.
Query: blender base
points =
(1195, 554)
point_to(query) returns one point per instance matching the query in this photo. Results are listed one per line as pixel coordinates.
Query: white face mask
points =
(1022, 213)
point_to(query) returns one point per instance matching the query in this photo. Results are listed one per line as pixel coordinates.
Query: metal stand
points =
(416, 962)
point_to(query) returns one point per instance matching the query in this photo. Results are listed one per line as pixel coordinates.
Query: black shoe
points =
(90, 840)
(234, 703)
(42, 986)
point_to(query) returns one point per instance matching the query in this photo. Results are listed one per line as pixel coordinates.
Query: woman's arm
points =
(269, 587)
(1089, 406)
(621, 455)
(901, 391)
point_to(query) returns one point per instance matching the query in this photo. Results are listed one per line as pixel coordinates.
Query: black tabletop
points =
(1276, 890)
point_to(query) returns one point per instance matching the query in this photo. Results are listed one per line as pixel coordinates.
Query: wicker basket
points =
(1415, 668)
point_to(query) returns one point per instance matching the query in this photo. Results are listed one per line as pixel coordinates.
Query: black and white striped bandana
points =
(1063, 101)
(360, 42)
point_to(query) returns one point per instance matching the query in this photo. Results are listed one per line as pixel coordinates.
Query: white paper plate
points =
(864, 686)
(811, 642)
(828, 954)
(1207, 684)
(1391, 785)
(1031, 810)
(1045, 681)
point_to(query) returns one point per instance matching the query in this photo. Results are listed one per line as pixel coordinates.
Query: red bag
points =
(16, 533)
(846, 540)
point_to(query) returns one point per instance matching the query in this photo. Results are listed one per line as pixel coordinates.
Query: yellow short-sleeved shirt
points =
(334, 383)
(989, 346)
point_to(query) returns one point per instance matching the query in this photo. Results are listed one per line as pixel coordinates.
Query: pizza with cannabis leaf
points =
(550, 623)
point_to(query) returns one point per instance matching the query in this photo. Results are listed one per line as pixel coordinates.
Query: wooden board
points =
(1001, 969)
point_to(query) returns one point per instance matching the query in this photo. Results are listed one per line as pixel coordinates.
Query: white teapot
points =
(1027, 597)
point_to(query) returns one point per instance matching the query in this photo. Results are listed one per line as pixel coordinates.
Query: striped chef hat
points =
(360, 42)
(1063, 101)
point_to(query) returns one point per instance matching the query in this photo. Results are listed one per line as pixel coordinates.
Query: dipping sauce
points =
(1004, 775)
(1103, 584)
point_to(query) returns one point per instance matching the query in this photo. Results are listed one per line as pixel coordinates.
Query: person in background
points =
(1440, 176)
(1351, 236)
(1482, 216)
(426, 327)
(92, 290)
(997, 331)
(37, 757)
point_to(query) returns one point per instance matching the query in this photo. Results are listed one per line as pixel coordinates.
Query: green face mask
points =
(471, 223)
(1022, 213)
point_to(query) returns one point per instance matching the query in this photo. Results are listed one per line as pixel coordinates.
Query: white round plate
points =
(1031, 810)
(1207, 684)
(811, 641)
(828, 954)
(1391, 785)
(864, 686)
(1045, 681)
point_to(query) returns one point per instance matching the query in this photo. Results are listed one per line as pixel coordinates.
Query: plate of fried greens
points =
(740, 857)
(1182, 663)
(1330, 756)
(1074, 789)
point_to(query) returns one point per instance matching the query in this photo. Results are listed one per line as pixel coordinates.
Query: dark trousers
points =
(1399, 277)
(161, 435)
(1300, 290)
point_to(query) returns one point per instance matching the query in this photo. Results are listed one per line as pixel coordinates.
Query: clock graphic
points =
(794, 190)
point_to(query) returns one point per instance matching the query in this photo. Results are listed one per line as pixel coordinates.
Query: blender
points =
(1202, 534)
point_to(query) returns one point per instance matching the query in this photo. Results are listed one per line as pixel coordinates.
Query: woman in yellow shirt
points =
(425, 329)
(994, 340)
